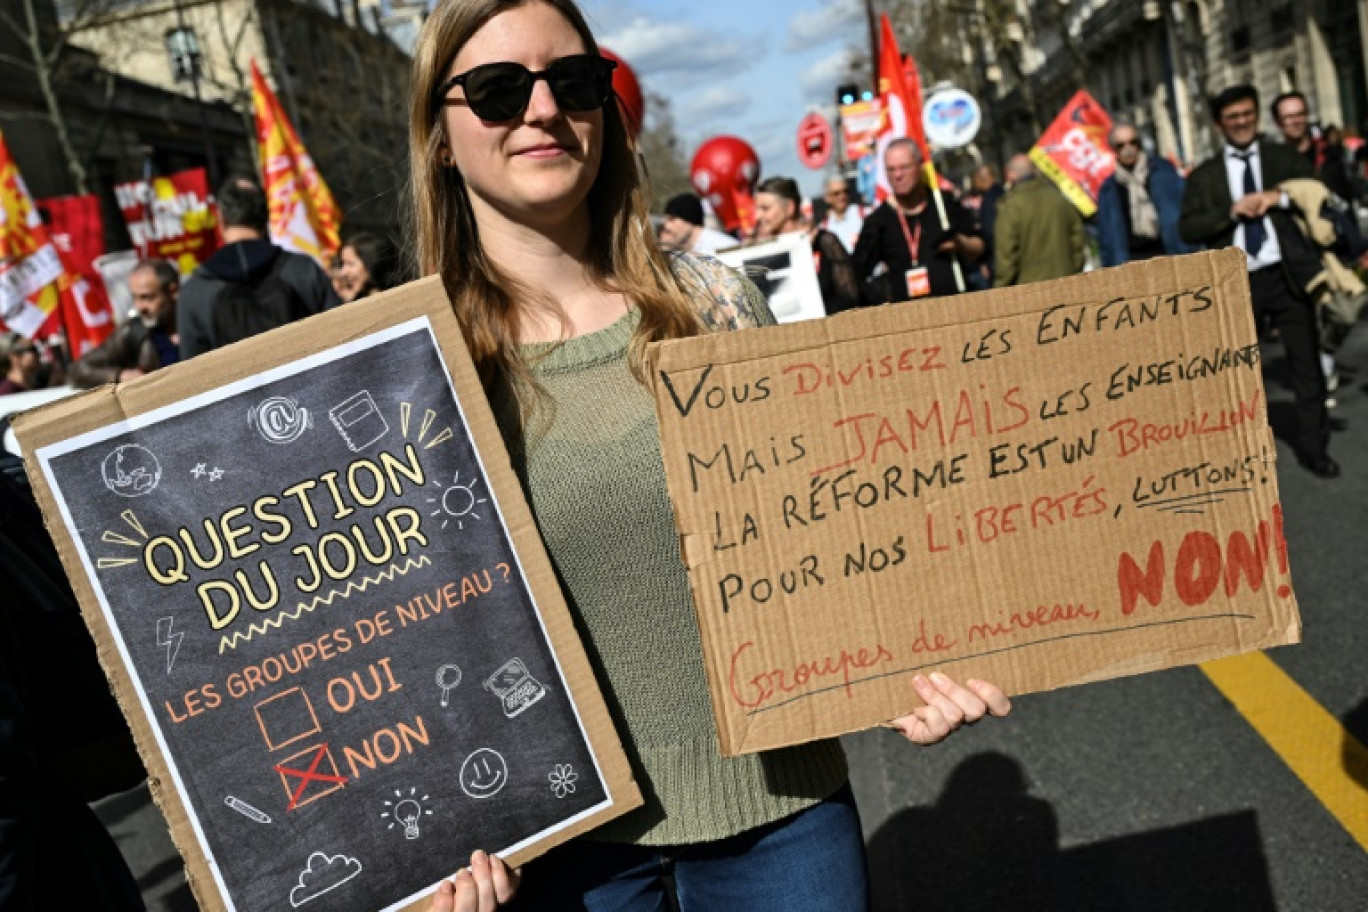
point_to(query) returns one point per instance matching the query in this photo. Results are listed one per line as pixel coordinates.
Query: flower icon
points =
(562, 779)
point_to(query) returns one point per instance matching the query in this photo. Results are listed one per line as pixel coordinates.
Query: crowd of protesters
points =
(997, 233)
(483, 217)
(1289, 203)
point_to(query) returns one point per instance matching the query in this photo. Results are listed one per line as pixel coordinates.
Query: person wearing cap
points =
(683, 228)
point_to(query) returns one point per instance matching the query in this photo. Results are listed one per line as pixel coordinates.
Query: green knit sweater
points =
(592, 472)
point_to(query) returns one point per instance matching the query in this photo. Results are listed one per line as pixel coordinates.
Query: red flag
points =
(83, 313)
(1074, 152)
(902, 103)
(304, 216)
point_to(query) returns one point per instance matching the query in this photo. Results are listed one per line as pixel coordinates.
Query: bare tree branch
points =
(19, 62)
(44, 71)
(11, 23)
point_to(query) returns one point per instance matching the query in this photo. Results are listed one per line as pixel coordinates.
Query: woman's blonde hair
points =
(623, 255)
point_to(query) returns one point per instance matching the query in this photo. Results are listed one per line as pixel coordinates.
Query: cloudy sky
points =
(751, 68)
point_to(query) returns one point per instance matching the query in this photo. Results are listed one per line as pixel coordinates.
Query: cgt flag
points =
(900, 111)
(304, 216)
(30, 264)
(84, 314)
(1073, 151)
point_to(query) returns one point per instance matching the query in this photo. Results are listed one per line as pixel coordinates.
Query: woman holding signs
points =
(530, 207)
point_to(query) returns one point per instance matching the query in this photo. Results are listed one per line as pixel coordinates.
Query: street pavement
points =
(1144, 794)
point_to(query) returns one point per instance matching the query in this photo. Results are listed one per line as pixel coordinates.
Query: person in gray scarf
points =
(1138, 206)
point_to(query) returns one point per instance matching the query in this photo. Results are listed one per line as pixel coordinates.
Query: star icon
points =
(199, 470)
(216, 474)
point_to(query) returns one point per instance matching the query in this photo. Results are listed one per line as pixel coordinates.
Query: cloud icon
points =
(321, 874)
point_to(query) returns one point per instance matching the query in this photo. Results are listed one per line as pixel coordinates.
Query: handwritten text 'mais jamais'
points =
(272, 521)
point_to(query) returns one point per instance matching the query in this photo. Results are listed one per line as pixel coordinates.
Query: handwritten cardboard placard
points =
(324, 607)
(1039, 486)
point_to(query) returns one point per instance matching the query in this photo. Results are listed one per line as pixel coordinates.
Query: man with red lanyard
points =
(905, 234)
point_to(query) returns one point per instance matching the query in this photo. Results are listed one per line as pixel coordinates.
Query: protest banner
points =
(784, 269)
(1074, 152)
(322, 602)
(860, 125)
(1042, 486)
(170, 218)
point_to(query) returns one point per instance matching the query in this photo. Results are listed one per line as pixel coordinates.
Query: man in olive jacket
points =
(1039, 233)
(1233, 198)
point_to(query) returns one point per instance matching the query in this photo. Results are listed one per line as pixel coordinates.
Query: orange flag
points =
(30, 264)
(304, 216)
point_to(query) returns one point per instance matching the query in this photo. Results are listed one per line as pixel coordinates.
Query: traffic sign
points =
(815, 141)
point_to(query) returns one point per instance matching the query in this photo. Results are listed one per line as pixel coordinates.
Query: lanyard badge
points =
(917, 277)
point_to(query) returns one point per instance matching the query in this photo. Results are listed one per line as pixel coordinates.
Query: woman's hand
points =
(482, 887)
(948, 706)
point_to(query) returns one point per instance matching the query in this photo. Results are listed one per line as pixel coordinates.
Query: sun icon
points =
(406, 812)
(457, 501)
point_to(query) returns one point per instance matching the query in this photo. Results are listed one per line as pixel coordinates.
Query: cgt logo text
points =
(1084, 154)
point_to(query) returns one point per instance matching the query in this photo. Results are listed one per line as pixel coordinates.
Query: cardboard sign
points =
(324, 607)
(1038, 486)
(1074, 153)
(784, 269)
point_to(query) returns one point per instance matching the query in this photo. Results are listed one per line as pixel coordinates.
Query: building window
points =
(183, 48)
(1239, 41)
(1281, 18)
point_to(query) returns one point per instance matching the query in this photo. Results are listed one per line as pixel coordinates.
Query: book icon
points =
(359, 421)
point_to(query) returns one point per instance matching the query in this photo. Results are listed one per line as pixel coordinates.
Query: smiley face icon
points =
(484, 773)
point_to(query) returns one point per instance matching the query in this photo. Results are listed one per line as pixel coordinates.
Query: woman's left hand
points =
(949, 705)
(483, 887)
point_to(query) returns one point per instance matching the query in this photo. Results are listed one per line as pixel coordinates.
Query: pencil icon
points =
(246, 810)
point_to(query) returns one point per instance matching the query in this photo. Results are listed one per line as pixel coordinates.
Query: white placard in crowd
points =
(785, 271)
(951, 118)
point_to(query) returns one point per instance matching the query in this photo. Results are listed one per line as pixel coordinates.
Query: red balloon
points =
(724, 172)
(631, 102)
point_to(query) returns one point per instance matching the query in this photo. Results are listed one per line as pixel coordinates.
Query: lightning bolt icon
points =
(171, 641)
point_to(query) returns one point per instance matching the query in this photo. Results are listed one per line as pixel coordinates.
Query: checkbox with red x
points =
(309, 775)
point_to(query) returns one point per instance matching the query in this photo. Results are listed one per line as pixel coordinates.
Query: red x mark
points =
(309, 775)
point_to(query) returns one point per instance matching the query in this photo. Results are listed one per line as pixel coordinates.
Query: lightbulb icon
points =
(406, 812)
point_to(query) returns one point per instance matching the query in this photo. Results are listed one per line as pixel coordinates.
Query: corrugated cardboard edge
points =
(97, 408)
(1226, 271)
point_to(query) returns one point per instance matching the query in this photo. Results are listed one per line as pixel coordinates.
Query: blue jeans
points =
(812, 861)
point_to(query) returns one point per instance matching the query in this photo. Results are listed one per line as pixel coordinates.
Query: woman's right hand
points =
(482, 887)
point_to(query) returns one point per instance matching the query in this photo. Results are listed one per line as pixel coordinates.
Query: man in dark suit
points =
(1233, 199)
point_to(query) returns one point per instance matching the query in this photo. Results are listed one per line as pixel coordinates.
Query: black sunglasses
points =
(1127, 143)
(501, 91)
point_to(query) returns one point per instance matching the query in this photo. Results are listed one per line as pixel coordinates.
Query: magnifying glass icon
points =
(448, 676)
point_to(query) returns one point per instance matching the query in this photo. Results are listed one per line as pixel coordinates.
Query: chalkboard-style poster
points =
(322, 602)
